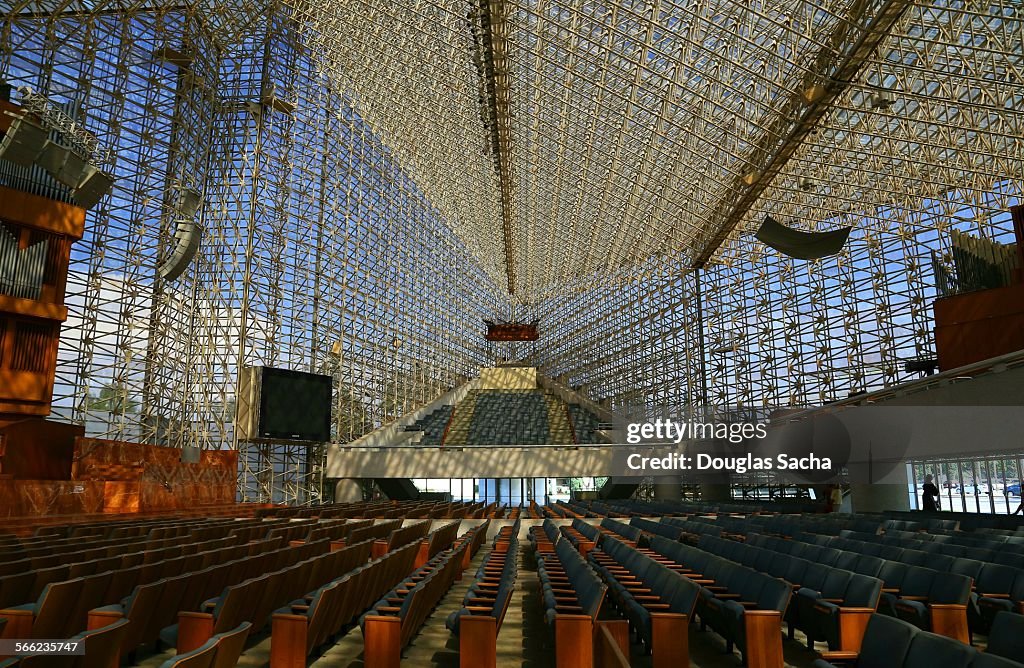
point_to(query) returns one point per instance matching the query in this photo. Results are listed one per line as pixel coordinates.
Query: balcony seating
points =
(585, 424)
(509, 417)
(433, 425)
(657, 601)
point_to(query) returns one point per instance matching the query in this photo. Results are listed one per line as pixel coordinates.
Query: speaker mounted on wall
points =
(188, 235)
(24, 142)
(283, 405)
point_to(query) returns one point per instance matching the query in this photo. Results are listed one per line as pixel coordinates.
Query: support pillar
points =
(889, 492)
(668, 488)
(348, 489)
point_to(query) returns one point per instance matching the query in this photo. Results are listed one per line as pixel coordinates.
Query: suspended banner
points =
(801, 245)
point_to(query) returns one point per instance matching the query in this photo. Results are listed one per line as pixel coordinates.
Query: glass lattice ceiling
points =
(622, 131)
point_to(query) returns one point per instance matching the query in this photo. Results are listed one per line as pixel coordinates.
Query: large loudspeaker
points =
(187, 238)
(92, 190)
(283, 405)
(65, 165)
(24, 142)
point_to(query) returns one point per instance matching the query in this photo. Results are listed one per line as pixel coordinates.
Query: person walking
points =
(930, 496)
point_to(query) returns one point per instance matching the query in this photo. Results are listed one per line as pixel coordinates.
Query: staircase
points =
(462, 420)
(559, 427)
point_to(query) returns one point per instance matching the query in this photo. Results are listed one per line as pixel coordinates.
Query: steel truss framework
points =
(376, 175)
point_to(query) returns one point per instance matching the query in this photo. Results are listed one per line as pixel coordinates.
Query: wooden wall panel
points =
(979, 325)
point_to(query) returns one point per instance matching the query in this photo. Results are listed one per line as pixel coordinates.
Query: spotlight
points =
(881, 100)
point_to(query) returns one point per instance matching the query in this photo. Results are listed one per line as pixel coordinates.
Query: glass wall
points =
(971, 485)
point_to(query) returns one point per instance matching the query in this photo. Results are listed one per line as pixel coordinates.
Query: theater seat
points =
(1006, 638)
(886, 643)
(929, 650)
(102, 650)
(201, 657)
(230, 645)
(986, 660)
(48, 616)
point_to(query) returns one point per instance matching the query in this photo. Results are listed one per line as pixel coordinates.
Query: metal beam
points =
(834, 71)
(492, 64)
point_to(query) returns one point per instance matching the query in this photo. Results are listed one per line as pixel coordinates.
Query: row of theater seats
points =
(744, 606)
(386, 510)
(931, 599)
(64, 608)
(307, 624)
(251, 600)
(216, 590)
(991, 586)
(398, 615)
(836, 590)
(894, 643)
(826, 593)
(967, 522)
(478, 622)
(572, 595)
(676, 528)
(650, 594)
(973, 547)
(828, 596)
(585, 536)
(65, 594)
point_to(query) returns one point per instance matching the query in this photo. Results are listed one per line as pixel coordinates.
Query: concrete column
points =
(715, 487)
(890, 492)
(715, 491)
(348, 489)
(668, 488)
